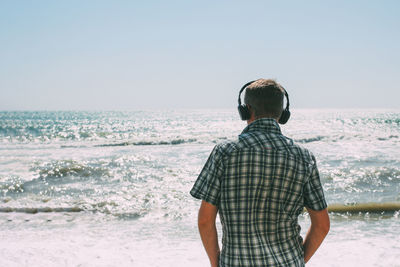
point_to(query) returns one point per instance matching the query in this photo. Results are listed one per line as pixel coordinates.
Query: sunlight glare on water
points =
(112, 188)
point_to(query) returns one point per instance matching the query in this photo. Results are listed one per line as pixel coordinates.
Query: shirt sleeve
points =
(313, 193)
(207, 185)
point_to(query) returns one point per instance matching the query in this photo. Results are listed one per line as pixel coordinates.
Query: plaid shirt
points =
(260, 184)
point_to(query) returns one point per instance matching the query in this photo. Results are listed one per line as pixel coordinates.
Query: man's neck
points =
(253, 118)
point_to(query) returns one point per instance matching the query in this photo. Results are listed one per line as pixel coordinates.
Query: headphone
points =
(244, 111)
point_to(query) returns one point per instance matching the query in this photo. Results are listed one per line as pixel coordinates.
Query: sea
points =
(111, 188)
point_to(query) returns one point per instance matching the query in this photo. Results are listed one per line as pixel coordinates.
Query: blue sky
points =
(105, 55)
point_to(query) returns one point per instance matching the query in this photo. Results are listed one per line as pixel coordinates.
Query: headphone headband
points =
(241, 90)
(244, 111)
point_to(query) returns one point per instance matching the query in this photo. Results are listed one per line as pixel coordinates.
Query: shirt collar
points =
(264, 124)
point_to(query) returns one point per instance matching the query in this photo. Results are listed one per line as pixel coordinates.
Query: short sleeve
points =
(313, 193)
(207, 185)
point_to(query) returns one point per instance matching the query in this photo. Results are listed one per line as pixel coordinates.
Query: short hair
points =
(265, 97)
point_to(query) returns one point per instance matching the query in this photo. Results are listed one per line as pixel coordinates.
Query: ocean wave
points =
(68, 168)
(12, 185)
(353, 184)
(388, 138)
(390, 121)
(9, 131)
(338, 138)
(105, 208)
(310, 139)
(377, 174)
(34, 210)
(150, 143)
(51, 177)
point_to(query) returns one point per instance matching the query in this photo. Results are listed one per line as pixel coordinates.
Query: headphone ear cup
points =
(244, 112)
(284, 116)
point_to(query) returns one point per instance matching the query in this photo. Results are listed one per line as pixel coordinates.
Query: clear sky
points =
(106, 55)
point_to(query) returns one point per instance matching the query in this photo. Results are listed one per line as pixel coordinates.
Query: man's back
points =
(260, 185)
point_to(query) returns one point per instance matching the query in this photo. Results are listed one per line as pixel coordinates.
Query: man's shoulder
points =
(227, 147)
(301, 151)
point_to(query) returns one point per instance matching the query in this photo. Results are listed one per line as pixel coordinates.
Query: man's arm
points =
(316, 233)
(208, 231)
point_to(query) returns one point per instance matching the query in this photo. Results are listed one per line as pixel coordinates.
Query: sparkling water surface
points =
(111, 188)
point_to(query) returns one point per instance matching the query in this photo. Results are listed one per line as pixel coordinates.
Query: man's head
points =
(265, 99)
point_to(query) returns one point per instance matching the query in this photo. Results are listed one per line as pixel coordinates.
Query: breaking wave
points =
(65, 168)
(310, 139)
(49, 174)
(150, 143)
(40, 210)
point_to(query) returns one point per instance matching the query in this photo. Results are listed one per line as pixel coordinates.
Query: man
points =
(259, 185)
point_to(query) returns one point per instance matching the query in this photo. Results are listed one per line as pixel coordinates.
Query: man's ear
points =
(251, 110)
(252, 116)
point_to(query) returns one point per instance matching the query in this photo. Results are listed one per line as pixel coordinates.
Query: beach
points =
(111, 188)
